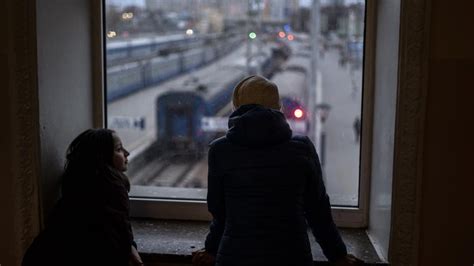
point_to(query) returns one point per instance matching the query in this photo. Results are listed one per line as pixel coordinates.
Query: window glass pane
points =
(171, 66)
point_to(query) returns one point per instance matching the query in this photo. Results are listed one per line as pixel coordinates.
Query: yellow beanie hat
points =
(256, 90)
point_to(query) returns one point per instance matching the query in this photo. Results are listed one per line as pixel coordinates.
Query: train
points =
(119, 51)
(128, 78)
(293, 83)
(180, 111)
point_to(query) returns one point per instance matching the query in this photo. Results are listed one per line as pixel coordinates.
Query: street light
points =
(127, 15)
(322, 111)
(111, 34)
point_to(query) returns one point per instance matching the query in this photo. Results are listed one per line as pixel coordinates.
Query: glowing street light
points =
(298, 113)
(111, 34)
(127, 15)
(189, 32)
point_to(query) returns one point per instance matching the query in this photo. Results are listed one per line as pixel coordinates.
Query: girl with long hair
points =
(90, 224)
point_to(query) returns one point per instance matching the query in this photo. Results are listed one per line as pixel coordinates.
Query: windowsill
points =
(171, 193)
(172, 242)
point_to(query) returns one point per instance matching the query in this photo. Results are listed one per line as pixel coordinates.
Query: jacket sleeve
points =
(318, 212)
(117, 214)
(215, 204)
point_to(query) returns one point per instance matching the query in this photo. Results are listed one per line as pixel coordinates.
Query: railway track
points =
(168, 170)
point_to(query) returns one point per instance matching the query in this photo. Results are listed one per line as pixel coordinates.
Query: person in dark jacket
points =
(264, 187)
(90, 224)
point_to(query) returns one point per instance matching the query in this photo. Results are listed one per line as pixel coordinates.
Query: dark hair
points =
(89, 162)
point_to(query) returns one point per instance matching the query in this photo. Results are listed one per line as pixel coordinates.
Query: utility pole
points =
(259, 36)
(314, 95)
(248, 51)
(314, 31)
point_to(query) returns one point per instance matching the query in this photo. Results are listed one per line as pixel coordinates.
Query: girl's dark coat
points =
(90, 226)
(265, 187)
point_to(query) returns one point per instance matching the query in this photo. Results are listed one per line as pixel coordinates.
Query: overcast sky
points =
(123, 3)
(307, 3)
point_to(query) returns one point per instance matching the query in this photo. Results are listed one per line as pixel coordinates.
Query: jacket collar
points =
(253, 125)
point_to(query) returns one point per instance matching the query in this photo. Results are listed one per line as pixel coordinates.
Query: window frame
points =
(141, 207)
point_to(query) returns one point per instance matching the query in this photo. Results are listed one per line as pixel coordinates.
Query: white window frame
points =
(350, 217)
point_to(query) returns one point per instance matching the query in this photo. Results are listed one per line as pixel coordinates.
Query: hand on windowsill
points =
(135, 259)
(203, 258)
(349, 260)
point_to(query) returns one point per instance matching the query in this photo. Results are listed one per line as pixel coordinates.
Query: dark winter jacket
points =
(265, 187)
(89, 225)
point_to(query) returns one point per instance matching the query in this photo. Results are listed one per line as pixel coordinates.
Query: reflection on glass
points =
(172, 64)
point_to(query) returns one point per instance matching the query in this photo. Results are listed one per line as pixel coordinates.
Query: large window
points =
(171, 66)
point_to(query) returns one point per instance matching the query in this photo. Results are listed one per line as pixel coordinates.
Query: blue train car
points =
(179, 116)
(180, 111)
(128, 78)
(124, 79)
(155, 45)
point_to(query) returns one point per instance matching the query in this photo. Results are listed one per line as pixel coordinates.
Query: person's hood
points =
(256, 126)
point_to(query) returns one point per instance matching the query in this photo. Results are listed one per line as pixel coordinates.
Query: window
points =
(170, 69)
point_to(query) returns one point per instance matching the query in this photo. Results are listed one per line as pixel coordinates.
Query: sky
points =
(307, 3)
(122, 3)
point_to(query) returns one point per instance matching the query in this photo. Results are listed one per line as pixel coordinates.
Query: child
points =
(265, 187)
(90, 224)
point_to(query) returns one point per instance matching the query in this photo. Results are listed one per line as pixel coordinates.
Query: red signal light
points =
(298, 113)
(281, 34)
(291, 37)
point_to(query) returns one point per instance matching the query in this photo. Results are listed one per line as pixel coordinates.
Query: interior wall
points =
(19, 143)
(385, 95)
(64, 84)
(446, 229)
(6, 164)
(6, 160)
